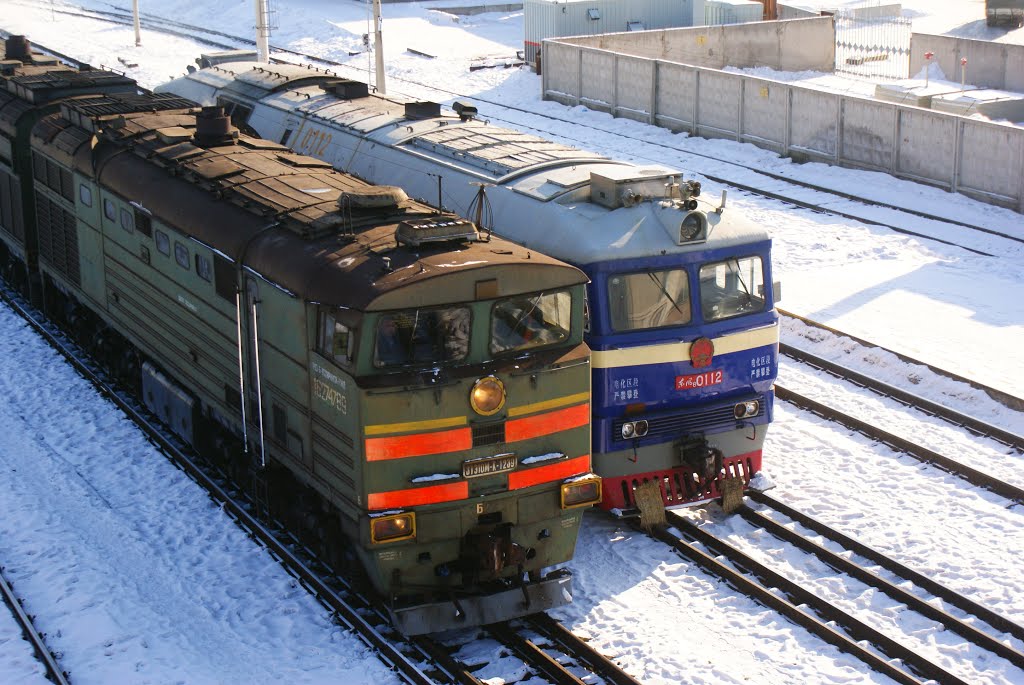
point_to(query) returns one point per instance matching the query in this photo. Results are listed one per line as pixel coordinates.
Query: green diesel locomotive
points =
(402, 389)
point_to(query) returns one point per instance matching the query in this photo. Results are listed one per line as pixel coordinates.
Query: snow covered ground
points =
(137, 578)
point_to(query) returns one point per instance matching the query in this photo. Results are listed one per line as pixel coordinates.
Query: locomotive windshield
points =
(731, 288)
(649, 299)
(422, 336)
(523, 322)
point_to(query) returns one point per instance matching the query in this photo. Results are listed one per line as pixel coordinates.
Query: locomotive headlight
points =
(745, 410)
(634, 429)
(581, 493)
(393, 528)
(487, 396)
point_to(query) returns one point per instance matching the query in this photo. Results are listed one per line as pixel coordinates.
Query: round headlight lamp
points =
(487, 396)
(746, 409)
(628, 430)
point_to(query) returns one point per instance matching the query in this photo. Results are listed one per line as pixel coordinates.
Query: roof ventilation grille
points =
(416, 233)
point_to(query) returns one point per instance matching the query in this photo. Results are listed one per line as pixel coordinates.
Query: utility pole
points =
(262, 31)
(378, 46)
(135, 20)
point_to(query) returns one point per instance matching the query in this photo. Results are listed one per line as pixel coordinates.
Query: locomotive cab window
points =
(731, 288)
(523, 322)
(422, 335)
(109, 210)
(649, 299)
(335, 340)
(85, 195)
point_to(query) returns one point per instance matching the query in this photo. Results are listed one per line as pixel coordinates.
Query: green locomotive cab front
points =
(475, 453)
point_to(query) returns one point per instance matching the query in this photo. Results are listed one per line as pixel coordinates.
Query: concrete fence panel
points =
(597, 70)
(1015, 71)
(634, 79)
(989, 153)
(718, 98)
(765, 111)
(675, 96)
(814, 117)
(926, 146)
(867, 137)
(560, 69)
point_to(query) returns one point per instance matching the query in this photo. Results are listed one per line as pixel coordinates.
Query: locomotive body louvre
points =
(681, 302)
(404, 390)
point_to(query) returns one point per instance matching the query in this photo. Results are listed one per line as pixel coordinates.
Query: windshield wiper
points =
(664, 291)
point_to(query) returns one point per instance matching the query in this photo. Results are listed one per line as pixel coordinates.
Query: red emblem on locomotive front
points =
(701, 352)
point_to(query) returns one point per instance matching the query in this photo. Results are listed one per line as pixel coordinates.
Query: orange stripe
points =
(545, 474)
(399, 447)
(398, 499)
(547, 423)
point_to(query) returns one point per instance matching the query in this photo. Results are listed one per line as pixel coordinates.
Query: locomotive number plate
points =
(471, 468)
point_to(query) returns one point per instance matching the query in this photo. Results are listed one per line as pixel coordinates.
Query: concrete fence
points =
(651, 77)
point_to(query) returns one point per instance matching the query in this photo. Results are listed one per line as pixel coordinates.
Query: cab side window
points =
(336, 341)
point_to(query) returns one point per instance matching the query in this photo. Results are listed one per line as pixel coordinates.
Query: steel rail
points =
(533, 655)
(976, 426)
(1000, 396)
(908, 599)
(971, 475)
(740, 581)
(590, 657)
(856, 630)
(997, 621)
(33, 636)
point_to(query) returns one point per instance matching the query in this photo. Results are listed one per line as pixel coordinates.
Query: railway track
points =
(915, 402)
(745, 178)
(887, 655)
(54, 673)
(418, 661)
